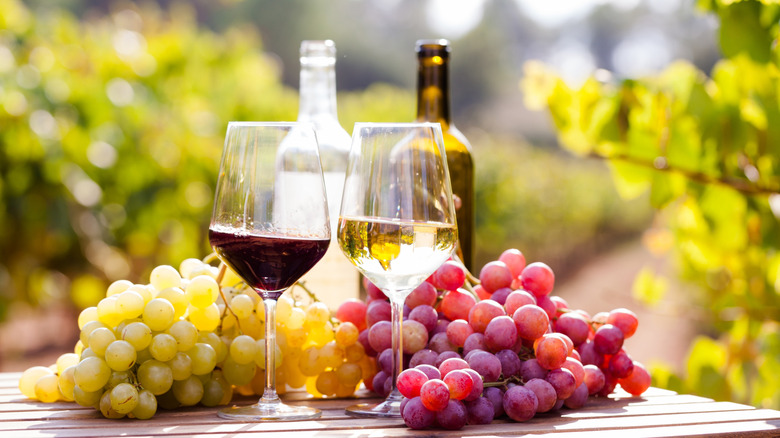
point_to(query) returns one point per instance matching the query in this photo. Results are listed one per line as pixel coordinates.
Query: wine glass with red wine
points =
(270, 225)
(397, 221)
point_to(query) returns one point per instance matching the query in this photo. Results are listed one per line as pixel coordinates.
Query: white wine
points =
(396, 255)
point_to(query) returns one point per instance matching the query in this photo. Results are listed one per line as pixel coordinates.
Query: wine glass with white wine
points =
(397, 221)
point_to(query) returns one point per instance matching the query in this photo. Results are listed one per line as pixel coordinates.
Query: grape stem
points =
(499, 383)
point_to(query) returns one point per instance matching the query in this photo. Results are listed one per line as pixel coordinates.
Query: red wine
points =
(269, 263)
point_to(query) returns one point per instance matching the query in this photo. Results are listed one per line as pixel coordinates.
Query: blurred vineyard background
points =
(639, 179)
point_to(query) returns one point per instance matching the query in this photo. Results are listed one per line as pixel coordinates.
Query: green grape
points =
(354, 353)
(185, 333)
(163, 347)
(120, 355)
(188, 391)
(99, 340)
(181, 366)
(230, 279)
(260, 354)
(165, 276)
(168, 400)
(331, 355)
(295, 338)
(252, 326)
(87, 352)
(67, 383)
(129, 304)
(346, 334)
(123, 398)
(327, 383)
(176, 297)
(202, 291)
(105, 406)
(138, 334)
(284, 306)
(143, 355)
(238, 374)
(204, 358)
(243, 349)
(118, 377)
(118, 287)
(107, 311)
(216, 343)
(309, 362)
(47, 388)
(87, 330)
(143, 290)
(66, 360)
(205, 319)
(242, 306)
(146, 407)
(349, 374)
(188, 266)
(317, 313)
(86, 398)
(296, 319)
(213, 393)
(92, 374)
(155, 376)
(87, 315)
(30, 377)
(158, 314)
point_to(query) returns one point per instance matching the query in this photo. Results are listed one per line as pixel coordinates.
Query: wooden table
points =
(658, 413)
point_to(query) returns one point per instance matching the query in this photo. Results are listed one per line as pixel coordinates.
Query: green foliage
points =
(708, 151)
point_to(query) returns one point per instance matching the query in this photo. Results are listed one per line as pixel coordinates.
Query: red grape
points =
(415, 336)
(481, 292)
(410, 381)
(377, 310)
(531, 321)
(456, 304)
(549, 307)
(495, 275)
(487, 365)
(538, 279)
(475, 341)
(500, 295)
(425, 315)
(416, 415)
(514, 260)
(510, 363)
(482, 313)
(363, 339)
(608, 339)
(385, 361)
(424, 356)
(379, 383)
(441, 343)
(545, 394)
(449, 276)
(480, 411)
(625, 320)
(458, 331)
(453, 363)
(354, 311)
(620, 365)
(578, 398)
(422, 294)
(563, 381)
(453, 416)
(380, 335)
(574, 326)
(444, 355)
(431, 371)
(434, 394)
(551, 352)
(531, 369)
(501, 333)
(520, 403)
(496, 397)
(517, 299)
(576, 368)
(588, 354)
(459, 382)
(477, 386)
(594, 378)
(638, 381)
(373, 291)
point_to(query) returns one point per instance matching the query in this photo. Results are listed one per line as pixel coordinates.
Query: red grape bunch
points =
(503, 347)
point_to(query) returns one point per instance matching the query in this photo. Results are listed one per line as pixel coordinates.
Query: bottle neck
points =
(433, 91)
(317, 91)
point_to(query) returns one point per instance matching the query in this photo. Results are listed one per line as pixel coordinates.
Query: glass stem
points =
(397, 315)
(269, 394)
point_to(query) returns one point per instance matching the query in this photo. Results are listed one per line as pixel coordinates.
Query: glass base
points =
(388, 408)
(262, 411)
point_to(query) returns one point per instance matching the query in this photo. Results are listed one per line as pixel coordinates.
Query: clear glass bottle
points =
(433, 105)
(333, 279)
